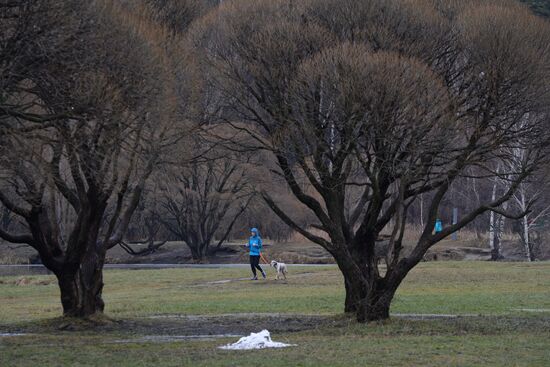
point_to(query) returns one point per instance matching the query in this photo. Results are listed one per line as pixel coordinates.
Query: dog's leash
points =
(262, 258)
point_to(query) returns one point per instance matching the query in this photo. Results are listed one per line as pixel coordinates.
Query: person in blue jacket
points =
(255, 246)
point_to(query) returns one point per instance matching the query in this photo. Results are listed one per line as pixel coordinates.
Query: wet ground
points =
(165, 328)
(181, 328)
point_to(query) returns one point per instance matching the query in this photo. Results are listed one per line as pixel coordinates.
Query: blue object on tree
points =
(438, 226)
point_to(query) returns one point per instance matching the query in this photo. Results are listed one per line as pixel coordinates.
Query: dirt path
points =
(270, 278)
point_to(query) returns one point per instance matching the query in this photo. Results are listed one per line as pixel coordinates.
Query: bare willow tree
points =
(146, 227)
(101, 97)
(202, 201)
(396, 98)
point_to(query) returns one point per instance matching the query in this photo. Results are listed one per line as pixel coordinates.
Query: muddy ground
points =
(183, 325)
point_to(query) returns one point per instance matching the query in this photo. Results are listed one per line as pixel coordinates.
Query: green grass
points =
(437, 287)
(506, 334)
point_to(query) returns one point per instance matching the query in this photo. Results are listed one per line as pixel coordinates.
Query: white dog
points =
(281, 268)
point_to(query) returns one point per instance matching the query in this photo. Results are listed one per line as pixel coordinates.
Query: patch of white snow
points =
(259, 340)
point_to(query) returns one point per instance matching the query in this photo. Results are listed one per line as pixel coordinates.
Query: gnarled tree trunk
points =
(199, 252)
(368, 300)
(81, 278)
(368, 295)
(81, 289)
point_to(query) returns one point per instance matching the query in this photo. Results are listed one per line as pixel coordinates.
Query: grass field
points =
(504, 309)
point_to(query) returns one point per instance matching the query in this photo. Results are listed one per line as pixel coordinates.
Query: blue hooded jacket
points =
(255, 243)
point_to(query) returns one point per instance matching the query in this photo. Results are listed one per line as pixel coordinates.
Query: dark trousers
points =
(255, 264)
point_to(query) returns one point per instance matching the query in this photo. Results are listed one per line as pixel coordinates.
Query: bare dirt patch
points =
(183, 326)
(240, 324)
